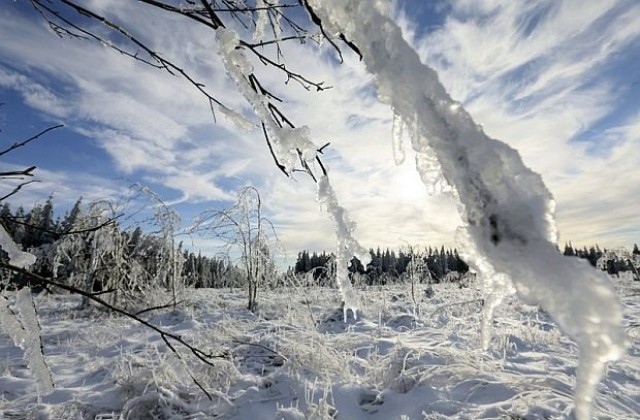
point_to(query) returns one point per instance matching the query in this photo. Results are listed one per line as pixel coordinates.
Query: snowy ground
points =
(297, 359)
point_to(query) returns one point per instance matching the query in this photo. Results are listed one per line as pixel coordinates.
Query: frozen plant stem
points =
(348, 246)
(507, 210)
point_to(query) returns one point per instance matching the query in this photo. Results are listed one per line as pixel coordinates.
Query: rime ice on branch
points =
(348, 246)
(16, 256)
(507, 208)
(292, 146)
(25, 332)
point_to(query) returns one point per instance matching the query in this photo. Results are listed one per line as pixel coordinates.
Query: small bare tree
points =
(246, 236)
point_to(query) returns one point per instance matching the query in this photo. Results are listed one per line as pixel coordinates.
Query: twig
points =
(246, 343)
(57, 235)
(23, 143)
(201, 355)
(15, 190)
(24, 172)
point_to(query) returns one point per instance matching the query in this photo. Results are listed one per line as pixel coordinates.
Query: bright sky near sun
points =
(557, 80)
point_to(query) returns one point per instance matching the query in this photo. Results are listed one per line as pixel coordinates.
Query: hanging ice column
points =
(507, 208)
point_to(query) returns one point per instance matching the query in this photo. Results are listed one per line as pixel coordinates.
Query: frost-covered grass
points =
(297, 359)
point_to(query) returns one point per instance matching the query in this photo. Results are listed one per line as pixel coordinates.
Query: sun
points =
(407, 184)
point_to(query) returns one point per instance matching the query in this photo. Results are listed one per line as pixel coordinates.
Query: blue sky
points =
(557, 80)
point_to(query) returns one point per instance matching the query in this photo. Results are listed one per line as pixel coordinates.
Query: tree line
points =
(87, 246)
(388, 265)
(613, 261)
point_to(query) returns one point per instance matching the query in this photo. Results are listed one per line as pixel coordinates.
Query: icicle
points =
(430, 172)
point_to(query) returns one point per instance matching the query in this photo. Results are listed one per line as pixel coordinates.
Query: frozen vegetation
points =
(473, 352)
(297, 359)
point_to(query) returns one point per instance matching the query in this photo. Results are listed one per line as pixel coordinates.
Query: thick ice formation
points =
(32, 344)
(348, 246)
(16, 256)
(507, 208)
(398, 133)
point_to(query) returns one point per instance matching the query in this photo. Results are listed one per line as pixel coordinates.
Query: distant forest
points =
(135, 252)
(389, 266)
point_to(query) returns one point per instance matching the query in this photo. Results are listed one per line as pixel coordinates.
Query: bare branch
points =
(24, 172)
(16, 189)
(275, 158)
(58, 235)
(29, 140)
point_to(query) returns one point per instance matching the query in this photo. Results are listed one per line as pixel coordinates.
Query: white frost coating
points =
(398, 131)
(292, 140)
(263, 20)
(237, 119)
(348, 246)
(16, 256)
(228, 43)
(507, 208)
(10, 324)
(285, 140)
(32, 342)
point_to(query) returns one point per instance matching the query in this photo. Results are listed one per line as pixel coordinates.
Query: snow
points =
(296, 358)
(507, 209)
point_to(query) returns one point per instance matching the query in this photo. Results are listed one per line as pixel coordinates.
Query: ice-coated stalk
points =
(348, 246)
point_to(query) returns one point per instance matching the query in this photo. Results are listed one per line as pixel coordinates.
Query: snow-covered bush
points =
(247, 237)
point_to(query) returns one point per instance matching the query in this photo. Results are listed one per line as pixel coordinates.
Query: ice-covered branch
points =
(291, 146)
(348, 246)
(16, 256)
(507, 210)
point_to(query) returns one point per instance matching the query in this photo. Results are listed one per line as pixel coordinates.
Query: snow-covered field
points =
(297, 359)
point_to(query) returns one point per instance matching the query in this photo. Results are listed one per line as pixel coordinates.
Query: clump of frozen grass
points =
(319, 401)
(162, 404)
(289, 413)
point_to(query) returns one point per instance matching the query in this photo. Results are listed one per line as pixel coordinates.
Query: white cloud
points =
(65, 187)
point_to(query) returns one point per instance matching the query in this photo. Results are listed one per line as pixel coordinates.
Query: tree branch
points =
(29, 140)
(201, 355)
